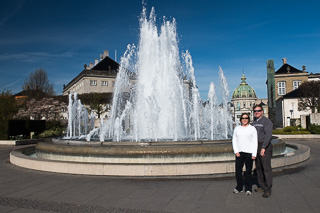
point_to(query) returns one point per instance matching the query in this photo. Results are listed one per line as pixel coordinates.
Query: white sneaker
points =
(248, 193)
(236, 191)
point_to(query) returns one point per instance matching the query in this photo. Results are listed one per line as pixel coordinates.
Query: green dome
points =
(244, 90)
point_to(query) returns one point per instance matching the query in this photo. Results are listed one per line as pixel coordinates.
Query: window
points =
(93, 82)
(296, 84)
(104, 83)
(281, 88)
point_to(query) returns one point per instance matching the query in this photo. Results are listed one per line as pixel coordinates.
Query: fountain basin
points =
(154, 166)
(143, 152)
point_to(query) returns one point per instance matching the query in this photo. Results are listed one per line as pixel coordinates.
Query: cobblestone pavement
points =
(21, 190)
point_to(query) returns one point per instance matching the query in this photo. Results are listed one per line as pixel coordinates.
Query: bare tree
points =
(38, 80)
(309, 95)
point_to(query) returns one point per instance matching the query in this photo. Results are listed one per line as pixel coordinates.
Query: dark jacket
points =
(264, 128)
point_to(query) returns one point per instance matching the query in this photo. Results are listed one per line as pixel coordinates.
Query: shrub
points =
(297, 131)
(4, 125)
(51, 133)
(53, 129)
(289, 129)
(314, 129)
(53, 124)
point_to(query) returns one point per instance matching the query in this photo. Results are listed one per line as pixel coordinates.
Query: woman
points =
(245, 145)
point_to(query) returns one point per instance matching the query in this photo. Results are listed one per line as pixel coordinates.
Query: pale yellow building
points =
(288, 78)
(96, 77)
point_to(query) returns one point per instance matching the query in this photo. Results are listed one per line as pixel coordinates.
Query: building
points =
(98, 77)
(243, 99)
(283, 97)
(287, 113)
(314, 77)
(288, 78)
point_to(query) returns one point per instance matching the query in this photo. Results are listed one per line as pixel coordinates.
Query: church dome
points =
(244, 90)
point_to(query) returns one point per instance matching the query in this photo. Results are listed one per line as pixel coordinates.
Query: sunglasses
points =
(244, 118)
(257, 110)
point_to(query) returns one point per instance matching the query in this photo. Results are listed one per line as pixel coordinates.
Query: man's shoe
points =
(266, 194)
(236, 191)
(259, 190)
(248, 193)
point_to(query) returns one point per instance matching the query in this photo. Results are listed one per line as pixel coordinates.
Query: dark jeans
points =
(263, 168)
(245, 158)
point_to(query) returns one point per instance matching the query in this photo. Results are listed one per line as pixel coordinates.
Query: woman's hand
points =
(238, 154)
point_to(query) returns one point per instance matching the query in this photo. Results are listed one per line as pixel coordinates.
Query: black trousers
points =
(263, 168)
(244, 159)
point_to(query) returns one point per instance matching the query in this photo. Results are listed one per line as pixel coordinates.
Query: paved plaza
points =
(22, 190)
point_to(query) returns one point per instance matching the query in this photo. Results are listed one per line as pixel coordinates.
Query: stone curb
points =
(307, 136)
(20, 142)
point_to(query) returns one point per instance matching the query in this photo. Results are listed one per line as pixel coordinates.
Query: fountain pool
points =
(148, 159)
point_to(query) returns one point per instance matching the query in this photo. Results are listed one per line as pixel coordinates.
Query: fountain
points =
(158, 124)
(156, 96)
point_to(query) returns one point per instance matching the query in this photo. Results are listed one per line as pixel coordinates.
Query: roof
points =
(37, 94)
(244, 90)
(106, 64)
(292, 94)
(107, 67)
(287, 68)
(30, 93)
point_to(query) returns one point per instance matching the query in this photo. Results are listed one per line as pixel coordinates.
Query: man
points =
(264, 128)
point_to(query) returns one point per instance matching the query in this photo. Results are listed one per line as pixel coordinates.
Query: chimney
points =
(101, 57)
(284, 61)
(90, 66)
(105, 53)
(96, 61)
(304, 68)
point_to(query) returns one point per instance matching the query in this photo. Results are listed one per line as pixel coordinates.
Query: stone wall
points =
(315, 118)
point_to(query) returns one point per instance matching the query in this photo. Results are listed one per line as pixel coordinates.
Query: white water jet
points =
(225, 113)
(77, 118)
(70, 117)
(156, 95)
(213, 102)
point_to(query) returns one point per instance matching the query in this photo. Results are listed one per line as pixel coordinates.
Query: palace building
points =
(243, 99)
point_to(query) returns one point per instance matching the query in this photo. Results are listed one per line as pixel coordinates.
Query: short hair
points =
(247, 114)
(257, 105)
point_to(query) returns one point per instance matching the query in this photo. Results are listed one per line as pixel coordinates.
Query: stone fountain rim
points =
(18, 157)
(139, 148)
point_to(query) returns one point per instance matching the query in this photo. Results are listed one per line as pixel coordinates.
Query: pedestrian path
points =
(21, 190)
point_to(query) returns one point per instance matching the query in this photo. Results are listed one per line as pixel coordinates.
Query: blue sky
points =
(61, 36)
